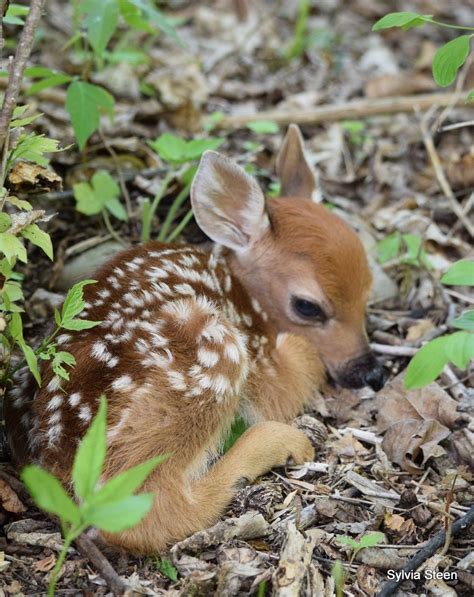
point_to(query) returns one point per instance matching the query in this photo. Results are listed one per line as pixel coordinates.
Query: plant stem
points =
(180, 227)
(148, 215)
(110, 229)
(68, 539)
(180, 199)
(449, 26)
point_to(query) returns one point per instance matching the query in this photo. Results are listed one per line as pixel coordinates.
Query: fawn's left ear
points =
(296, 175)
(228, 204)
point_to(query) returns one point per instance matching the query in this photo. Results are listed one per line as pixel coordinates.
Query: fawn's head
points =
(305, 266)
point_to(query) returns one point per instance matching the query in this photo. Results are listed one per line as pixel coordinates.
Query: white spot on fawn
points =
(207, 358)
(53, 384)
(55, 402)
(123, 383)
(176, 379)
(85, 413)
(74, 399)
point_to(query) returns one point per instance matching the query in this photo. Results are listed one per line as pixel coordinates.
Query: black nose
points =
(376, 377)
(363, 371)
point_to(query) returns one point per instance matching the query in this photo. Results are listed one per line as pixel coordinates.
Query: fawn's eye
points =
(308, 309)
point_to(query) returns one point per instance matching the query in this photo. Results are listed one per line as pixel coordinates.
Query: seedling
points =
(368, 540)
(110, 507)
(338, 575)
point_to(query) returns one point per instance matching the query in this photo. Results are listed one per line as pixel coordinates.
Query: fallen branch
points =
(426, 552)
(396, 351)
(90, 551)
(348, 110)
(22, 54)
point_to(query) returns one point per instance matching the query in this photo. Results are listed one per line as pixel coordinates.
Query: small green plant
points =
(110, 507)
(449, 58)
(181, 156)
(407, 249)
(165, 566)
(264, 127)
(355, 130)
(337, 573)
(300, 36)
(368, 540)
(456, 348)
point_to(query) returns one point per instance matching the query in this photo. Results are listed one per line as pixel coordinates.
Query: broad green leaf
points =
(465, 321)
(405, 20)
(449, 59)
(460, 348)
(426, 365)
(31, 360)
(165, 566)
(157, 19)
(49, 494)
(121, 515)
(264, 127)
(74, 301)
(85, 103)
(175, 150)
(87, 202)
(5, 221)
(105, 185)
(12, 247)
(349, 541)
(39, 72)
(90, 455)
(117, 209)
(102, 193)
(13, 14)
(126, 483)
(40, 238)
(389, 247)
(79, 324)
(47, 82)
(101, 22)
(460, 273)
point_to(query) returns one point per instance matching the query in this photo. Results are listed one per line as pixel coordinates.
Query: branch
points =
(359, 108)
(426, 552)
(22, 54)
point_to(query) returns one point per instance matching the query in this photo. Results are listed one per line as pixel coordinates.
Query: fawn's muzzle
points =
(363, 371)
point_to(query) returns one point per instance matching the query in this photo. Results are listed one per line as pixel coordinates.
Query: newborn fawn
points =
(190, 339)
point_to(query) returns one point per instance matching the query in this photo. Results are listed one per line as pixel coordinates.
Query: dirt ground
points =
(395, 462)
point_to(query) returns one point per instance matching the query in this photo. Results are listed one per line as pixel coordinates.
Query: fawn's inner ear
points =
(228, 204)
(296, 175)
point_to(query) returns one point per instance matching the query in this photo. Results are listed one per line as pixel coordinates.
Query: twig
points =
(456, 125)
(397, 351)
(89, 550)
(442, 180)
(346, 110)
(22, 54)
(426, 552)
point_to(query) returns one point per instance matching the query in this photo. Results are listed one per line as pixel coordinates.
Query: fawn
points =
(189, 339)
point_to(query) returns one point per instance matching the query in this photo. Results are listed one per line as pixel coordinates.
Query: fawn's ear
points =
(228, 204)
(296, 175)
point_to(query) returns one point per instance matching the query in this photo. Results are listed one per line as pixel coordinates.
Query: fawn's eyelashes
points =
(308, 310)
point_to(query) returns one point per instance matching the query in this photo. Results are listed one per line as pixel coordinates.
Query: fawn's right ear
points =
(228, 204)
(296, 175)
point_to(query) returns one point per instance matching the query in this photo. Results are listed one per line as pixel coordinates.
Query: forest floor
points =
(396, 462)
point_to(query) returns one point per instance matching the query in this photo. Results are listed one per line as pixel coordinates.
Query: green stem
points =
(449, 26)
(112, 232)
(180, 227)
(170, 216)
(148, 217)
(68, 539)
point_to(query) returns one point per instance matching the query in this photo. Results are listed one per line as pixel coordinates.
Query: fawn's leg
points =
(284, 381)
(182, 507)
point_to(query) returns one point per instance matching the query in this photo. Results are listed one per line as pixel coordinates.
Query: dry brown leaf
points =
(398, 524)
(410, 443)
(26, 177)
(422, 327)
(367, 580)
(46, 564)
(348, 446)
(460, 171)
(389, 85)
(396, 404)
(9, 500)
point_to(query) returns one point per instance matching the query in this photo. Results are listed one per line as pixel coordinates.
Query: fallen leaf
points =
(3, 562)
(25, 177)
(410, 443)
(9, 500)
(46, 564)
(397, 524)
(367, 579)
(396, 404)
(399, 84)
(348, 446)
(419, 329)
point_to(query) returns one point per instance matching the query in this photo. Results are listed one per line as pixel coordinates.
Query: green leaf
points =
(31, 360)
(175, 150)
(460, 273)
(79, 324)
(62, 358)
(90, 454)
(239, 426)
(102, 193)
(460, 348)
(48, 82)
(126, 483)
(5, 221)
(166, 568)
(389, 247)
(104, 185)
(427, 364)
(465, 321)
(49, 494)
(87, 202)
(33, 148)
(74, 301)
(117, 209)
(101, 22)
(349, 541)
(264, 127)
(85, 103)
(12, 247)
(39, 238)
(371, 539)
(121, 515)
(20, 203)
(449, 59)
(405, 20)
(470, 96)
